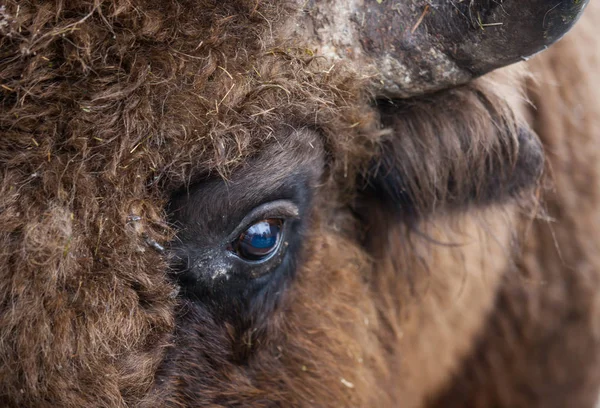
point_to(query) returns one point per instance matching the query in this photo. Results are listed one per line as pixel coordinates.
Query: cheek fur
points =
(339, 361)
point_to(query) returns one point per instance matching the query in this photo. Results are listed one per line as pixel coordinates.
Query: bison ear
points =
(453, 150)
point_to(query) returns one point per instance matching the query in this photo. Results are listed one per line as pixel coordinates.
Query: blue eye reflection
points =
(260, 240)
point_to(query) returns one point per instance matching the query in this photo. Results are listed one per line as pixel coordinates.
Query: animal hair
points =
(109, 107)
(440, 155)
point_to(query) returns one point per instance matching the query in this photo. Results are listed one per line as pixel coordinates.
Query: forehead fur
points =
(165, 83)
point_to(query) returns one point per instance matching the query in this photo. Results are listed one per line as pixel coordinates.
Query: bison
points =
(268, 203)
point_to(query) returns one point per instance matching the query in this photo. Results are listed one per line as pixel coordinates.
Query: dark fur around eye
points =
(211, 265)
(232, 286)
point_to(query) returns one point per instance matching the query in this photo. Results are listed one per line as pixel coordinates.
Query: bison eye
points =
(260, 241)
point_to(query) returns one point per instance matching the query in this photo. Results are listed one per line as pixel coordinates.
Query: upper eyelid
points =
(273, 209)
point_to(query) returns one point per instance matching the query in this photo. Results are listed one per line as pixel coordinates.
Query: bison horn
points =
(419, 46)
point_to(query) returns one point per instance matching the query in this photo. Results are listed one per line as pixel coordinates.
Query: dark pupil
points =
(260, 240)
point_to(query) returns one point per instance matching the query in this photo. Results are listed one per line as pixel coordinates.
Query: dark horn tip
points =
(560, 18)
(514, 30)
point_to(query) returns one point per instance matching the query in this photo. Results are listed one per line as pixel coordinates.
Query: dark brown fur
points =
(108, 108)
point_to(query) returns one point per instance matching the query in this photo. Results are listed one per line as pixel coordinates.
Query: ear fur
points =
(450, 150)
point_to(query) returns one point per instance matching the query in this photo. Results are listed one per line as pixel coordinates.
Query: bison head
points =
(258, 203)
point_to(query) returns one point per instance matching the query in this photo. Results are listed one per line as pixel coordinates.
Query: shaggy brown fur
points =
(107, 108)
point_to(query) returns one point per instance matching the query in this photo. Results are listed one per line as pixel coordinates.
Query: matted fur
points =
(108, 107)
